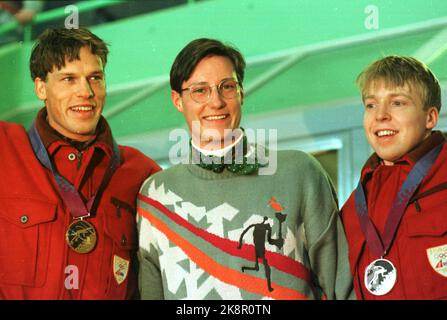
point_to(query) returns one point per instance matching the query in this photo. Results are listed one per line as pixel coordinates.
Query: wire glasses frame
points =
(201, 92)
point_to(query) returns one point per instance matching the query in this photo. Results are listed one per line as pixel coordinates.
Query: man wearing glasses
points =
(220, 228)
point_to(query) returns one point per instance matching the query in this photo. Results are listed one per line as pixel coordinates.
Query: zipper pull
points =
(79, 160)
(418, 207)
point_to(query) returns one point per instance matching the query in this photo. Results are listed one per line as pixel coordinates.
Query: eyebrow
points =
(67, 74)
(97, 72)
(393, 95)
(205, 82)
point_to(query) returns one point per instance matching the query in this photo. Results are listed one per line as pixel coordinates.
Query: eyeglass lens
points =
(227, 89)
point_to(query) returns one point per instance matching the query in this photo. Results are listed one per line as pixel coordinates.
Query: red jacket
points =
(419, 249)
(35, 260)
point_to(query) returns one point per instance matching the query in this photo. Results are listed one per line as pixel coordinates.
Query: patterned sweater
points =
(206, 235)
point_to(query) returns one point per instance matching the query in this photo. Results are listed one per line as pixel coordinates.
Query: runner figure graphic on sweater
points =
(260, 231)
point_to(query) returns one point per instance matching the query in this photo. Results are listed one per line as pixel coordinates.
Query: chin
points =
(85, 132)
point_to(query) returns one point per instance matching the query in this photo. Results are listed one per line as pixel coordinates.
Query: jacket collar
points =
(50, 137)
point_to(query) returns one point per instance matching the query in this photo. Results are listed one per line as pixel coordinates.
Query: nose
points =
(216, 100)
(382, 113)
(85, 89)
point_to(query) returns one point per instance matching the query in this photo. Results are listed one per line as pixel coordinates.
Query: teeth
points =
(382, 133)
(82, 108)
(215, 117)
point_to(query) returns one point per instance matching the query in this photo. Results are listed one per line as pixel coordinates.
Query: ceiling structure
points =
(300, 55)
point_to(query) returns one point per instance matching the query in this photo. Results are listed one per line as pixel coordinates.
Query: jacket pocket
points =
(25, 242)
(426, 252)
(118, 262)
(428, 223)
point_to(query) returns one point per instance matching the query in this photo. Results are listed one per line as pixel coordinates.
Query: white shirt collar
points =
(218, 152)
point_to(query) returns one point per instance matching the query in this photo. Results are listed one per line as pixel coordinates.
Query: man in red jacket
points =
(395, 220)
(68, 191)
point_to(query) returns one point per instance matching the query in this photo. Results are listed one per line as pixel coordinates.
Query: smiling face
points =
(74, 96)
(395, 120)
(218, 113)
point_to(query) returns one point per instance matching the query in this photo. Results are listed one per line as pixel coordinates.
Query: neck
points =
(68, 135)
(217, 150)
(388, 163)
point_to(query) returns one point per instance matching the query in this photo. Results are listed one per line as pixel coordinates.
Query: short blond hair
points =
(399, 71)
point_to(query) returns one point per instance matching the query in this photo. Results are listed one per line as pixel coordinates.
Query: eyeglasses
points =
(201, 93)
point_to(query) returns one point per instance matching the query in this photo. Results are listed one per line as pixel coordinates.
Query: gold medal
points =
(81, 236)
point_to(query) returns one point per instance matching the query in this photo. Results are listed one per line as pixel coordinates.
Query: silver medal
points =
(380, 277)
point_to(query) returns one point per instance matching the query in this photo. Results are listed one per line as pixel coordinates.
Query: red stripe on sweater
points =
(280, 262)
(224, 273)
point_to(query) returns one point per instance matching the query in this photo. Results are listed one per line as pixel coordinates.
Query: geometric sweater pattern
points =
(206, 235)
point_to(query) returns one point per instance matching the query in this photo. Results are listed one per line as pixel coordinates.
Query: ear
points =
(39, 86)
(432, 118)
(177, 100)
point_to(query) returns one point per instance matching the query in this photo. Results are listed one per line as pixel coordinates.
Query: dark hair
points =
(190, 56)
(399, 70)
(55, 45)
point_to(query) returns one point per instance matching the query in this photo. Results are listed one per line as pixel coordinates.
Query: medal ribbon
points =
(68, 192)
(378, 245)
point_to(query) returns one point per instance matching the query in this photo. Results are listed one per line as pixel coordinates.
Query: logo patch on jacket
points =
(437, 256)
(120, 268)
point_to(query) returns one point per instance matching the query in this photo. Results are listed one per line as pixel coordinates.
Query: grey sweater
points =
(206, 235)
